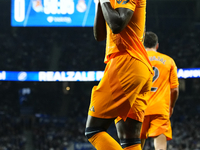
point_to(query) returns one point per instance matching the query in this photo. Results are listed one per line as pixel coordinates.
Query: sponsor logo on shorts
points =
(92, 109)
(122, 1)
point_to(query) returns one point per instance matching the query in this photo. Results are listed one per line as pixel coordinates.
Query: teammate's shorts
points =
(155, 125)
(125, 85)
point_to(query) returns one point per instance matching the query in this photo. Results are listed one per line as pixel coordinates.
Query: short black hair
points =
(150, 40)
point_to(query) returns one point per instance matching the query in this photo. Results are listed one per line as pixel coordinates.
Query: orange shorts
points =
(155, 125)
(125, 85)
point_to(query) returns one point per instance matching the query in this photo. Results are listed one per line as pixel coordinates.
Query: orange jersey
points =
(131, 37)
(165, 78)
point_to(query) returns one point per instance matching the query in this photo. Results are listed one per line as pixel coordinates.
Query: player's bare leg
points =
(160, 142)
(96, 133)
(129, 134)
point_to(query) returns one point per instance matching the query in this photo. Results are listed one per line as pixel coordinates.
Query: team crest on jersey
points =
(92, 109)
(122, 1)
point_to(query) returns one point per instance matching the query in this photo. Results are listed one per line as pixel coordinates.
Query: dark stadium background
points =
(48, 117)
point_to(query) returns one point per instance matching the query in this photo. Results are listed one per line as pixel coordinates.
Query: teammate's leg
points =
(129, 134)
(96, 133)
(160, 142)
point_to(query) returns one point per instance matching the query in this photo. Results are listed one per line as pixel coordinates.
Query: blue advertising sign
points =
(189, 73)
(53, 13)
(53, 76)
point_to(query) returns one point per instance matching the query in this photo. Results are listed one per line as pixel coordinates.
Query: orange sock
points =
(133, 147)
(103, 141)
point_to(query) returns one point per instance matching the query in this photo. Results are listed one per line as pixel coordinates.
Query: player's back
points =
(165, 78)
(131, 37)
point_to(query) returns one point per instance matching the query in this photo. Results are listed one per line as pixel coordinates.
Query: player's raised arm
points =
(117, 19)
(99, 28)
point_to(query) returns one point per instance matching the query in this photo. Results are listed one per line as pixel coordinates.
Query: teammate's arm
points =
(117, 19)
(99, 28)
(174, 86)
(174, 97)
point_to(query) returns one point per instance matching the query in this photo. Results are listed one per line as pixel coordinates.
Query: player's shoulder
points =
(170, 61)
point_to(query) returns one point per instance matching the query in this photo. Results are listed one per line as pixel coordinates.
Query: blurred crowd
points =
(183, 46)
(54, 133)
(47, 49)
(11, 133)
(57, 133)
(34, 49)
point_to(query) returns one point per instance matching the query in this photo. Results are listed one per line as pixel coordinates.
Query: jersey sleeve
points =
(130, 4)
(173, 75)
